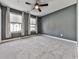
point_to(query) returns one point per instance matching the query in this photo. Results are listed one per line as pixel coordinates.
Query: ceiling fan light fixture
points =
(36, 7)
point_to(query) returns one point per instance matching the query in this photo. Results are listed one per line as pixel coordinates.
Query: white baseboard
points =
(13, 39)
(61, 38)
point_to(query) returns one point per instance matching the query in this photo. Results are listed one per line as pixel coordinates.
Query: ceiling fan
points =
(37, 5)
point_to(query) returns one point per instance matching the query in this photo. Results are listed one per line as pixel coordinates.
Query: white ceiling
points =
(53, 5)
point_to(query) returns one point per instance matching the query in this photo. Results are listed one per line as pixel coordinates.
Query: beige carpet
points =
(38, 47)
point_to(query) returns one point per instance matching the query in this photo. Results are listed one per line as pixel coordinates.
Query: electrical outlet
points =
(61, 35)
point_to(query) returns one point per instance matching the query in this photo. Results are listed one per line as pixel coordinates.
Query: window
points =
(33, 24)
(15, 22)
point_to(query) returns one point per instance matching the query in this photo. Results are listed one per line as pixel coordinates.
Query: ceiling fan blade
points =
(32, 9)
(43, 5)
(28, 3)
(39, 9)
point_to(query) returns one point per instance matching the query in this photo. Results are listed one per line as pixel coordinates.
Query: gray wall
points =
(61, 22)
(26, 15)
(39, 25)
(3, 22)
(0, 23)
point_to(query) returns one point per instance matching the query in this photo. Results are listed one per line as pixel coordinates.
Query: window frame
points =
(15, 22)
(33, 24)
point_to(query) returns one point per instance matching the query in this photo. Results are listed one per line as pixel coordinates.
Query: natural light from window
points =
(15, 22)
(33, 24)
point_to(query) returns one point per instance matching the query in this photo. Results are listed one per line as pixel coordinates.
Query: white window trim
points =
(29, 25)
(17, 23)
